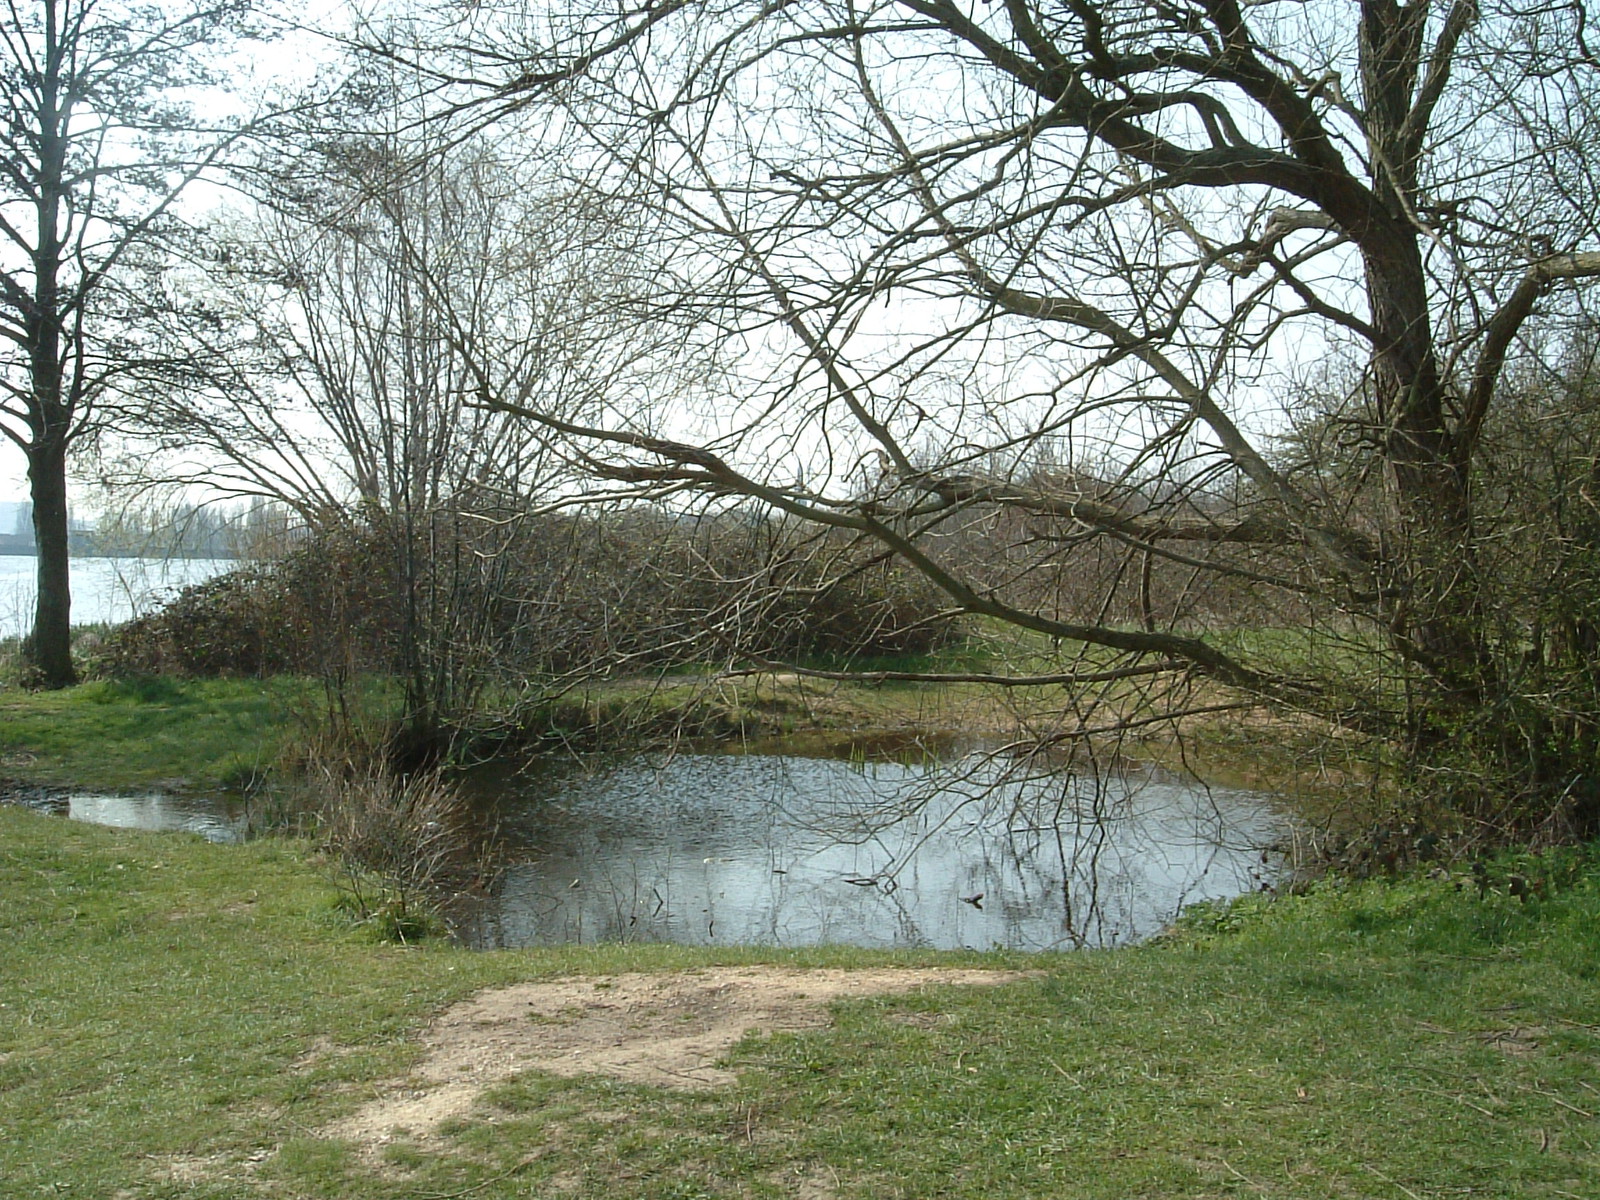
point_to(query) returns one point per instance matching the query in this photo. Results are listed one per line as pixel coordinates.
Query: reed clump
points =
(404, 843)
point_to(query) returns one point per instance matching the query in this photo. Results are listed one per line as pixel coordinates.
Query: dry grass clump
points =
(404, 843)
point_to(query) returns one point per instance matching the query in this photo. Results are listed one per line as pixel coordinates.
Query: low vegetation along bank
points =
(185, 1020)
(185, 733)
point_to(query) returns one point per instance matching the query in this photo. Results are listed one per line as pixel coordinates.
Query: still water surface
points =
(213, 819)
(782, 850)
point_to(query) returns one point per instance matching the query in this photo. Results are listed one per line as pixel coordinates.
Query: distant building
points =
(16, 527)
(16, 517)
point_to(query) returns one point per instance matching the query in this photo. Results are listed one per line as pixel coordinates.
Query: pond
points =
(784, 850)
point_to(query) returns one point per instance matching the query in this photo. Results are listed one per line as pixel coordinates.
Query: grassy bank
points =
(174, 733)
(203, 734)
(180, 1019)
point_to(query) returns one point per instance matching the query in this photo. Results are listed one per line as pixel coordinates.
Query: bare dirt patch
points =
(192, 1170)
(662, 1029)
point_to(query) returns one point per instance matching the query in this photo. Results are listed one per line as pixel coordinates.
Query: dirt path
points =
(662, 1029)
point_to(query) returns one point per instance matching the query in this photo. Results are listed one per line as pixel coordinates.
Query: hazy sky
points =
(291, 58)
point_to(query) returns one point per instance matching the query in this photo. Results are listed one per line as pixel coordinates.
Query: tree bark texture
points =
(47, 651)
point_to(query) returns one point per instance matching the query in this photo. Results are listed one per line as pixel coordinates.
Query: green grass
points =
(178, 1019)
(117, 734)
(126, 733)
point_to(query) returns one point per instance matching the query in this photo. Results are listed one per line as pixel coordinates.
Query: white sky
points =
(294, 58)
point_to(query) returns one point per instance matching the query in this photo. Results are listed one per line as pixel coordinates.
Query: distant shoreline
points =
(28, 552)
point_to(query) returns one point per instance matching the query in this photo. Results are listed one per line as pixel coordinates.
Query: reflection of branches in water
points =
(1009, 803)
(825, 905)
(1068, 908)
(885, 795)
(1078, 831)
(1070, 850)
(990, 791)
(1015, 805)
(634, 914)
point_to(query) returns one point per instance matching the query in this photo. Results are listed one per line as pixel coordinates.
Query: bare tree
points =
(932, 239)
(99, 140)
(386, 278)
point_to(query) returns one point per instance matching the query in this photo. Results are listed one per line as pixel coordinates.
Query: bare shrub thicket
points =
(479, 609)
(318, 610)
(1054, 565)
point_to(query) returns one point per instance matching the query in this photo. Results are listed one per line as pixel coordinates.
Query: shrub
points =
(326, 606)
(860, 611)
(463, 605)
(403, 843)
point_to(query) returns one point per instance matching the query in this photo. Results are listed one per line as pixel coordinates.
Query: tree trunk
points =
(47, 651)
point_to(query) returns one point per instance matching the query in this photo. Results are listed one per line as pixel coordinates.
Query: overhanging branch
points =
(1502, 329)
(1066, 679)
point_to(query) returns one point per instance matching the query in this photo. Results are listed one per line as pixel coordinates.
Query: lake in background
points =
(103, 589)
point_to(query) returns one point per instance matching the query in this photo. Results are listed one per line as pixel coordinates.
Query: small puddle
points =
(214, 819)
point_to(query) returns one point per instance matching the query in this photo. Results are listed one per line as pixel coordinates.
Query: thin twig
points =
(1391, 1182)
(1552, 1096)
(1239, 1173)
(1452, 1096)
(1065, 1072)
